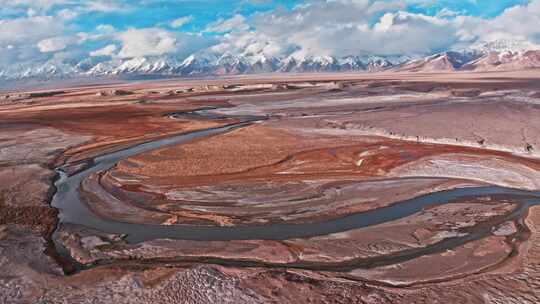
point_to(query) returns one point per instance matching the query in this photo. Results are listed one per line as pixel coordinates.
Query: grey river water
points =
(73, 210)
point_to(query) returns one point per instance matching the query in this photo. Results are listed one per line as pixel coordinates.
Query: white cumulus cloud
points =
(106, 51)
(237, 22)
(177, 23)
(52, 44)
(339, 28)
(146, 42)
(521, 21)
(29, 30)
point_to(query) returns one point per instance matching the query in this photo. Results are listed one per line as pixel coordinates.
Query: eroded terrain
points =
(317, 188)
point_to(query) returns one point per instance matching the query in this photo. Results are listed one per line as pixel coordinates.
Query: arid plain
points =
(312, 188)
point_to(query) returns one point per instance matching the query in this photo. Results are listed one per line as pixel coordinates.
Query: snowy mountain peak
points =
(189, 60)
(505, 45)
(494, 55)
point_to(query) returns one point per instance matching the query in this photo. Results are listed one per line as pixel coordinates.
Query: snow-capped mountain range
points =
(496, 55)
(500, 55)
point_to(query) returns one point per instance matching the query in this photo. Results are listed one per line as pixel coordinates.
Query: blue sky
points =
(146, 13)
(480, 8)
(68, 30)
(203, 12)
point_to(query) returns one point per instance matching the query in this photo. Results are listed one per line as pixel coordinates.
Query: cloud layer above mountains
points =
(72, 30)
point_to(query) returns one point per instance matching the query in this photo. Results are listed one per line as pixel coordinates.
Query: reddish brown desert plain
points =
(312, 188)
